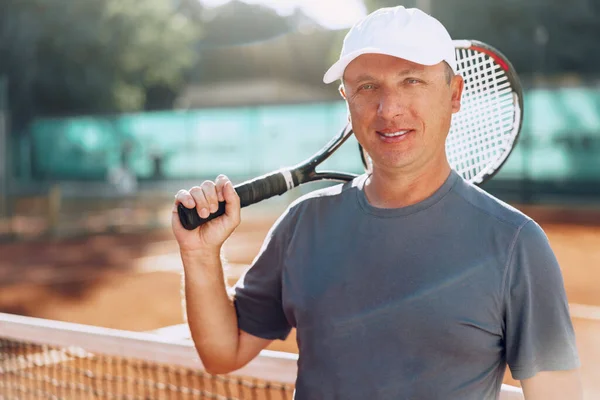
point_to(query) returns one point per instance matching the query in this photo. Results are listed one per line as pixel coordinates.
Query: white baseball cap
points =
(410, 34)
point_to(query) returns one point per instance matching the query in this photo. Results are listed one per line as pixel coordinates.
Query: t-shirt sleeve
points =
(539, 333)
(257, 294)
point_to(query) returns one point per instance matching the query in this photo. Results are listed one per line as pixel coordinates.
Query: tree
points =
(263, 46)
(239, 23)
(81, 57)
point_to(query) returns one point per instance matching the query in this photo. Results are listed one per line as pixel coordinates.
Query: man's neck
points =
(391, 189)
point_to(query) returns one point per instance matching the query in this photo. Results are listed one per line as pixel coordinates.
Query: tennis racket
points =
(482, 135)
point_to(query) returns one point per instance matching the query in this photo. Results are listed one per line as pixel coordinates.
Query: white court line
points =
(584, 311)
(172, 262)
(174, 332)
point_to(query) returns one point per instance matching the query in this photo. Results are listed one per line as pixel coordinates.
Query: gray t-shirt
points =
(429, 301)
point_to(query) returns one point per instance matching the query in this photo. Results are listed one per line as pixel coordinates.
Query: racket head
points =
(485, 130)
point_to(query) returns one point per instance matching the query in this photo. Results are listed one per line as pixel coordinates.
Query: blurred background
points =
(174, 90)
(108, 107)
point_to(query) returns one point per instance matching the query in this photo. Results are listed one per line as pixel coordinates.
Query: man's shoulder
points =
(327, 196)
(488, 206)
(318, 202)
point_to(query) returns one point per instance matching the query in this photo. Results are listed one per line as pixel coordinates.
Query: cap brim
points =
(411, 54)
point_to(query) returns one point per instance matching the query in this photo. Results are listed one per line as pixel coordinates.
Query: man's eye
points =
(412, 81)
(368, 86)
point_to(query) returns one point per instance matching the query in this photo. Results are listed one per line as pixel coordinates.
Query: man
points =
(407, 283)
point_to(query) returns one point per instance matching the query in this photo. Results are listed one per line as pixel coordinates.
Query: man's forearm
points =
(210, 312)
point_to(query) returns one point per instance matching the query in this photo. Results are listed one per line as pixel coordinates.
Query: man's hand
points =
(205, 199)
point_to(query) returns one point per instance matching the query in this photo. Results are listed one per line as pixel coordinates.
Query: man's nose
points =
(391, 104)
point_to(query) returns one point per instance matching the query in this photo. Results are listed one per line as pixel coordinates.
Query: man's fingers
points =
(206, 197)
(232, 200)
(220, 184)
(184, 197)
(200, 200)
(210, 193)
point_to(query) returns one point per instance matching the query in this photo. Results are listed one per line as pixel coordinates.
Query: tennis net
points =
(43, 359)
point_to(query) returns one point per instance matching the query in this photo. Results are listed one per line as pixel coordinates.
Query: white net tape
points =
(483, 132)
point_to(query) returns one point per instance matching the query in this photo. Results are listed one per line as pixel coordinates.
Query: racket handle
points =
(250, 192)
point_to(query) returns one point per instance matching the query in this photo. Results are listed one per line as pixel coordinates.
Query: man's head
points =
(398, 72)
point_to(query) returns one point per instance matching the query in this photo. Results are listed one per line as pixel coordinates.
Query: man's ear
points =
(343, 94)
(457, 85)
(342, 91)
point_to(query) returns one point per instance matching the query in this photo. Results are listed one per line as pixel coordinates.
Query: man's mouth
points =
(389, 136)
(394, 134)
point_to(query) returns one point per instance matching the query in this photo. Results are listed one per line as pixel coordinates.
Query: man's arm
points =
(539, 337)
(211, 316)
(553, 385)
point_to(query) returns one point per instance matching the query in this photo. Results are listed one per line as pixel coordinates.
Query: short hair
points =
(449, 72)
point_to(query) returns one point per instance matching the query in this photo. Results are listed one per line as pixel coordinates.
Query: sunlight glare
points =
(331, 14)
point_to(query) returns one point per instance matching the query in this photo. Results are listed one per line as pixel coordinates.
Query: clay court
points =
(131, 281)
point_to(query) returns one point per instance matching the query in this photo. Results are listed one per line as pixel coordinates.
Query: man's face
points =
(401, 111)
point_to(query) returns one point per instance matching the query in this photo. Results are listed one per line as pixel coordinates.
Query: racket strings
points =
(482, 100)
(482, 132)
(476, 131)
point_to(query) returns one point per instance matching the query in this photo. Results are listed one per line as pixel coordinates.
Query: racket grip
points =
(250, 192)
(190, 219)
